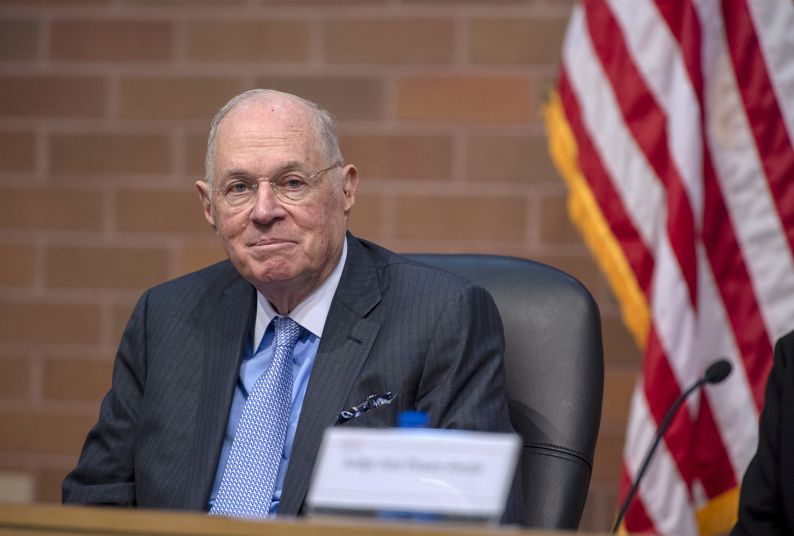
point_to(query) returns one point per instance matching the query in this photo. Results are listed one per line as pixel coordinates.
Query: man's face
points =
(283, 249)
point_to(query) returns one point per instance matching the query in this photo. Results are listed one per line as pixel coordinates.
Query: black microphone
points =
(717, 371)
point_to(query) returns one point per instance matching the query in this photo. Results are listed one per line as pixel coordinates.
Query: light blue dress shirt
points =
(311, 314)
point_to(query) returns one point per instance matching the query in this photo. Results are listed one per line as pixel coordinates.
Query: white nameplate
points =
(453, 473)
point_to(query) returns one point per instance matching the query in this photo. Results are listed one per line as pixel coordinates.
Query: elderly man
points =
(226, 378)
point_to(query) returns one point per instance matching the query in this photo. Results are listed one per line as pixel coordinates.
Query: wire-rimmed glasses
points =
(290, 187)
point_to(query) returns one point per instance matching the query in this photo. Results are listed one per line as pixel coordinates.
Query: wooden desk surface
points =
(55, 520)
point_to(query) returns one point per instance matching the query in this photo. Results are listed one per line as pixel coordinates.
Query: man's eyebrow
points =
(290, 165)
(236, 173)
(286, 166)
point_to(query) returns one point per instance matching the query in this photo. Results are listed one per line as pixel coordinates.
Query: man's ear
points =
(349, 185)
(206, 203)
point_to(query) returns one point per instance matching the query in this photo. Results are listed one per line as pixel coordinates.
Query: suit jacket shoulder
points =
(378, 269)
(191, 288)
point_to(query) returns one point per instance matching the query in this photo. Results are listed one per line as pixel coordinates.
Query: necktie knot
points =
(287, 331)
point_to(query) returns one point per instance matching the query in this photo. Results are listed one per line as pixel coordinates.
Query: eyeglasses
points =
(290, 187)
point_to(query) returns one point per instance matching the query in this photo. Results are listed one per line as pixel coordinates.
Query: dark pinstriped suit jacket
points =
(430, 337)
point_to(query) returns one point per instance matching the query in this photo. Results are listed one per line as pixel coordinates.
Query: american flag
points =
(672, 125)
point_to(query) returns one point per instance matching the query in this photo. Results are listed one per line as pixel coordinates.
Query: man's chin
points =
(268, 271)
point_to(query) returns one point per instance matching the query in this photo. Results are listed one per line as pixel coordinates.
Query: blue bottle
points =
(410, 419)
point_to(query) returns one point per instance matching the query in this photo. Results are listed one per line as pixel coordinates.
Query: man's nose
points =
(266, 205)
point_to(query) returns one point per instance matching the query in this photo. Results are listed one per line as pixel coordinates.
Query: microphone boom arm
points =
(717, 371)
(668, 417)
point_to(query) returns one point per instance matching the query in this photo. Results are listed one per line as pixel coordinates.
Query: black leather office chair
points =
(555, 377)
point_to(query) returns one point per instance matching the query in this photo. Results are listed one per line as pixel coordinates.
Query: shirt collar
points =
(311, 313)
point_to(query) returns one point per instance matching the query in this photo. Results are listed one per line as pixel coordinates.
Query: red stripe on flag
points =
(716, 479)
(648, 124)
(722, 247)
(635, 250)
(766, 120)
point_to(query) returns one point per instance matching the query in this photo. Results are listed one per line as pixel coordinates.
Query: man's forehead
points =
(268, 122)
(257, 134)
(261, 149)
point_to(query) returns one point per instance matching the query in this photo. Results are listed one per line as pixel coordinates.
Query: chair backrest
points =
(555, 377)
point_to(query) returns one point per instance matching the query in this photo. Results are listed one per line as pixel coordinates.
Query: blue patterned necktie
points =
(249, 479)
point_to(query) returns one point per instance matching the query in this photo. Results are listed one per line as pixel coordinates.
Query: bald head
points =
(319, 120)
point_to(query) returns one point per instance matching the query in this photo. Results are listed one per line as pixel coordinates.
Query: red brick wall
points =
(104, 106)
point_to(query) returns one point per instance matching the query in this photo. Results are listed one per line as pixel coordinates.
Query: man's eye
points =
(292, 182)
(237, 188)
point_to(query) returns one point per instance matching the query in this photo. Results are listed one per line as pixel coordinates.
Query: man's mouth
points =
(269, 242)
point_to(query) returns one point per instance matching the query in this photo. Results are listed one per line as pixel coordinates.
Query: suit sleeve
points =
(761, 509)
(104, 474)
(463, 384)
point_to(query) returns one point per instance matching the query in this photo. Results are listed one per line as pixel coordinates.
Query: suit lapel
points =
(224, 320)
(347, 339)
